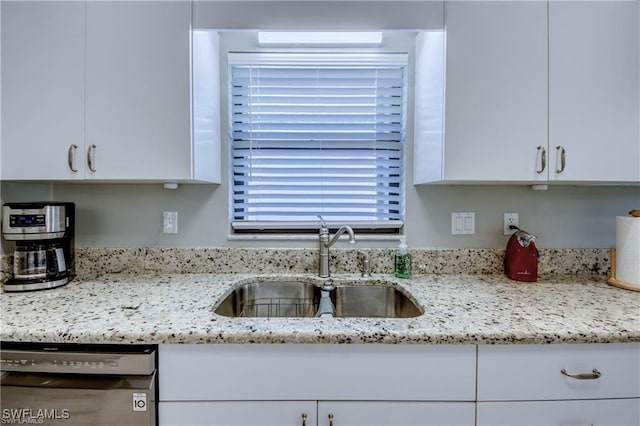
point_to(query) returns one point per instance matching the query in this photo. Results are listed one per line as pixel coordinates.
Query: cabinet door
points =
(235, 413)
(138, 90)
(594, 91)
(496, 91)
(332, 413)
(42, 89)
(613, 412)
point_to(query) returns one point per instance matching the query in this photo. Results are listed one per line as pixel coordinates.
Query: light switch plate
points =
(463, 223)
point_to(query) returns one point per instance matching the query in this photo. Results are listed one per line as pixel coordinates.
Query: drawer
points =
(533, 372)
(602, 412)
(317, 372)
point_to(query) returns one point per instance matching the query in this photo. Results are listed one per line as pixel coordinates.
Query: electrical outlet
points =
(169, 222)
(510, 219)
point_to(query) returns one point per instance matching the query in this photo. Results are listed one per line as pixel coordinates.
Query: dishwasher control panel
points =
(78, 362)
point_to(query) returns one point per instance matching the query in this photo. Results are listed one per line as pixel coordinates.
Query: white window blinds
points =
(317, 134)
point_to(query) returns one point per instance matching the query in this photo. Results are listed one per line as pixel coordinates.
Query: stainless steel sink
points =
(298, 299)
(373, 301)
(271, 299)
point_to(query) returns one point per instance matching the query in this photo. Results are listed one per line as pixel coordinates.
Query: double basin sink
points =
(301, 299)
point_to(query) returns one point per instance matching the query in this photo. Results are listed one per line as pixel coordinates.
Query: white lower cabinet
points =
(238, 413)
(554, 372)
(395, 413)
(312, 413)
(595, 384)
(604, 412)
(316, 372)
(399, 385)
(264, 385)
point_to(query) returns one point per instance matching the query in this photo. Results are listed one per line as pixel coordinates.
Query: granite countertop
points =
(459, 309)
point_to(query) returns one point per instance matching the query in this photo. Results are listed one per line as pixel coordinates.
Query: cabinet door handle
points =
(90, 152)
(304, 419)
(563, 155)
(595, 374)
(543, 159)
(71, 154)
(330, 419)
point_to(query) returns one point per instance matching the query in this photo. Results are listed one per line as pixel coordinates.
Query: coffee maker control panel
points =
(34, 221)
(26, 220)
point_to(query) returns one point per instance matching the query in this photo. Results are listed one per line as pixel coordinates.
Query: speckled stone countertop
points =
(459, 309)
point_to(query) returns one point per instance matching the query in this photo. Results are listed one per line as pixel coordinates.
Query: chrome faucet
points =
(325, 243)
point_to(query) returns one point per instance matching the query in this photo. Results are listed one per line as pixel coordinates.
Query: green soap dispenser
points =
(402, 264)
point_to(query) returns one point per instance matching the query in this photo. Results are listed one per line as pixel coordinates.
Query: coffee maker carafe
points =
(44, 236)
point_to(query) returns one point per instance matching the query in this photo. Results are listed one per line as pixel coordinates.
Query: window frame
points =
(333, 58)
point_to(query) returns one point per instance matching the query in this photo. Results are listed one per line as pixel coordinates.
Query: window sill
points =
(307, 237)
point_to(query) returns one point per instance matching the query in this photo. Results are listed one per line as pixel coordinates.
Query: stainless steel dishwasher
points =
(67, 384)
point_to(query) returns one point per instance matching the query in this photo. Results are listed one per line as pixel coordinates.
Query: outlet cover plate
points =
(510, 219)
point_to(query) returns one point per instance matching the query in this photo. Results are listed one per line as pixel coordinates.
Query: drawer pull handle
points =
(584, 376)
(304, 419)
(330, 419)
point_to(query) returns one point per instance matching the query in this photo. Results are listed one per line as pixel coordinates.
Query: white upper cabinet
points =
(138, 90)
(495, 91)
(101, 91)
(534, 92)
(43, 53)
(594, 91)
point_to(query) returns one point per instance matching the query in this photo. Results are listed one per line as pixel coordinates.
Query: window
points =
(317, 134)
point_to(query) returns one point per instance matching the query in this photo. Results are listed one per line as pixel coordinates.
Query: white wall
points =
(131, 215)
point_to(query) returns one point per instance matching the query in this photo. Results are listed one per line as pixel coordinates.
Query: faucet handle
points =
(366, 263)
(322, 222)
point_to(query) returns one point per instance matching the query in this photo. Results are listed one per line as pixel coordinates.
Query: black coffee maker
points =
(44, 235)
